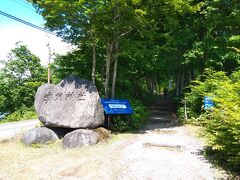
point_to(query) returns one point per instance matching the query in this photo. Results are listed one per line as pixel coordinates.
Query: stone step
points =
(162, 103)
(152, 125)
(158, 112)
(161, 119)
(162, 115)
(159, 108)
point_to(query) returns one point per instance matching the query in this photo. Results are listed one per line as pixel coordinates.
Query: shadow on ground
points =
(161, 115)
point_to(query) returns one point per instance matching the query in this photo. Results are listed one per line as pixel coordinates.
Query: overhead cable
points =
(25, 22)
(24, 5)
(27, 3)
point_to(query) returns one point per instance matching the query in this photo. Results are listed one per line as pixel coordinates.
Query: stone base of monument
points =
(103, 134)
(39, 135)
(85, 137)
(80, 138)
(72, 138)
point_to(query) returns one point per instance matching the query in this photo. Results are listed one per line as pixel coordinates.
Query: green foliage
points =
(3, 100)
(140, 115)
(21, 114)
(133, 122)
(222, 123)
(19, 80)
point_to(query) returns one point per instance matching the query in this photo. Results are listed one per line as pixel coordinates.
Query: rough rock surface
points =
(40, 135)
(103, 134)
(73, 103)
(80, 138)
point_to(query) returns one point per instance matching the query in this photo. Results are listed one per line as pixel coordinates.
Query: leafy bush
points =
(21, 114)
(222, 123)
(133, 122)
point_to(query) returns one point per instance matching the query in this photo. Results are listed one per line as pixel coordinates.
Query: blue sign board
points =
(208, 103)
(116, 106)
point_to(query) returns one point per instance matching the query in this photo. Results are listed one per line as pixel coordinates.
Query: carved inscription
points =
(47, 97)
(80, 96)
(58, 96)
(69, 95)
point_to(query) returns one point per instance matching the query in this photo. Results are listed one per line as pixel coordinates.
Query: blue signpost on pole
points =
(116, 106)
(208, 103)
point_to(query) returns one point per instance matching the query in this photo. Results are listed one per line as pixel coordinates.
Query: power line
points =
(24, 5)
(27, 3)
(25, 22)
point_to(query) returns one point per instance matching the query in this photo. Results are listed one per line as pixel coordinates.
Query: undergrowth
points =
(222, 122)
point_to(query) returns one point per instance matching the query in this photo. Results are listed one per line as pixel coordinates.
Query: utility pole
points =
(49, 60)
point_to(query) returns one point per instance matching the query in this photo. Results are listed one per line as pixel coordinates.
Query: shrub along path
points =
(161, 150)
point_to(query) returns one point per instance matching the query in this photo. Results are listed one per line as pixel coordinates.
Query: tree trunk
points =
(195, 74)
(177, 85)
(156, 85)
(94, 61)
(182, 84)
(108, 62)
(149, 85)
(115, 71)
(189, 77)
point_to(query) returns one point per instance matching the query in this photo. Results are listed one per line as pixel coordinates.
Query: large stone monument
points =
(73, 103)
(71, 106)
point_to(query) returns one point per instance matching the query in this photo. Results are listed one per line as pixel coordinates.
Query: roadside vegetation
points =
(19, 79)
(222, 122)
(131, 50)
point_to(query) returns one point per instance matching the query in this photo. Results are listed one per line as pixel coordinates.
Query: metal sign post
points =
(116, 107)
(109, 121)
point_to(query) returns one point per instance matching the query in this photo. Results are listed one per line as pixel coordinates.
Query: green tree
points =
(93, 21)
(20, 78)
(206, 38)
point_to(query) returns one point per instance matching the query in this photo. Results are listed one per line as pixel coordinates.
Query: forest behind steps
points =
(133, 49)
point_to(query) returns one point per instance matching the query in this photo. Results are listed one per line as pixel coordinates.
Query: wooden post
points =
(109, 120)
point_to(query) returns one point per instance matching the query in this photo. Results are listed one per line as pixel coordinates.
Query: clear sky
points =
(12, 31)
(21, 9)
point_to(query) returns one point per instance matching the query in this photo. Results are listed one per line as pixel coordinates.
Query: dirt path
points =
(160, 151)
(166, 151)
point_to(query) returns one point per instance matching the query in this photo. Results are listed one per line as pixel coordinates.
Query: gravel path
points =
(166, 154)
(166, 151)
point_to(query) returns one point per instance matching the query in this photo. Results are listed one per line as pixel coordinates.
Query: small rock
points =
(103, 134)
(80, 138)
(40, 135)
